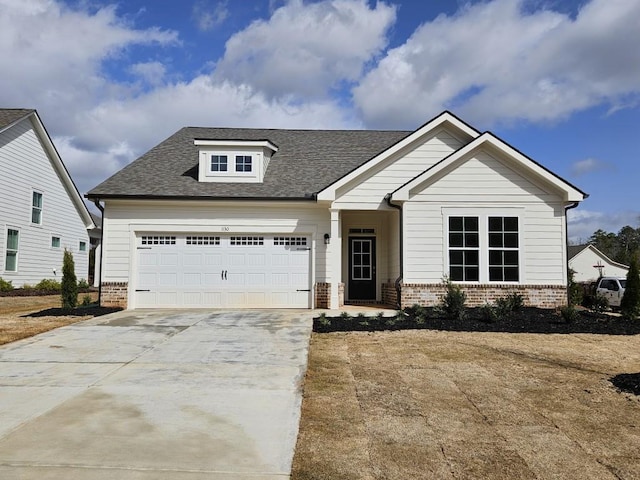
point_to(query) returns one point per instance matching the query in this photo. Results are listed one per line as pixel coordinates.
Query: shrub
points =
(69, 283)
(515, 301)
(323, 320)
(569, 314)
(488, 312)
(630, 304)
(345, 316)
(48, 285)
(86, 300)
(599, 303)
(27, 286)
(5, 285)
(453, 302)
(83, 284)
(576, 292)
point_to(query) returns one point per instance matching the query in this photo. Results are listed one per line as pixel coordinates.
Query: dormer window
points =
(243, 163)
(219, 163)
(233, 161)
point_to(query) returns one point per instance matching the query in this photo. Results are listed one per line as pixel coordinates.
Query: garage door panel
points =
(224, 271)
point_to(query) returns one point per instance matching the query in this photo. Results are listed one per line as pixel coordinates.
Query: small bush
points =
(86, 300)
(48, 285)
(453, 302)
(69, 284)
(630, 304)
(569, 314)
(390, 321)
(599, 303)
(576, 292)
(515, 301)
(488, 313)
(83, 284)
(323, 320)
(27, 286)
(345, 316)
(5, 285)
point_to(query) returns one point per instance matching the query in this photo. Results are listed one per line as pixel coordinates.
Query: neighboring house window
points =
(464, 249)
(218, 163)
(243, 163)
(55, 242)
(36, 208)
(82, 246)
(11, 256)
(503, 249)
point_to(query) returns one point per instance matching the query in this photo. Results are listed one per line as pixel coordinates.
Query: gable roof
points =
(574, 250)
(11, 116)
(487, 139)
(306, 162)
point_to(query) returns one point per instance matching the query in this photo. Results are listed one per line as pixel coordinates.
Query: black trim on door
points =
(362, 268)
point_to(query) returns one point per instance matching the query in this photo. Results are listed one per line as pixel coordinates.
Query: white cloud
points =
(151, 73)
(307, 49)
(589, 165)
(495, 62)
(207, 16)
(581, 224)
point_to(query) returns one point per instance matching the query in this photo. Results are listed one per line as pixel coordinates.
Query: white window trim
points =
(80, 242)
(5, 250)
(231, 164)
(51, 242)
(483, 214)
(34, 190)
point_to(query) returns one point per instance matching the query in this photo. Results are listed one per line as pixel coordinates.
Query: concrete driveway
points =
(155, 395)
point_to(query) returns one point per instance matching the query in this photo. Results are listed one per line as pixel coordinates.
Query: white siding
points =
(396, 171)
(122, 220)
(485, 184)
(583, 266)
(25, 167)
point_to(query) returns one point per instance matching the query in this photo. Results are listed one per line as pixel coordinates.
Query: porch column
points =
(335, 258)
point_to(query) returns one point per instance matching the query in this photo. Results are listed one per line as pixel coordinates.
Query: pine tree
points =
(69, 282)
(630, 304)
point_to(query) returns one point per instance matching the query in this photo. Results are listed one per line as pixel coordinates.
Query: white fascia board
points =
(603, 256)
(329, 193)
(62, 171)
(571, 194)
(237, 143)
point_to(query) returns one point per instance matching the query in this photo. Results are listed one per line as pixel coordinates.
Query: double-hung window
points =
(11, 255)
(36, 208)
(55, 242)
(218, 163)
(484, 248)
(503, 249)
(243, 163)
(464, 249)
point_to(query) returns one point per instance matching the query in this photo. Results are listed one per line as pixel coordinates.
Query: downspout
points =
(398, 281)
(566, 244)
(101, 208)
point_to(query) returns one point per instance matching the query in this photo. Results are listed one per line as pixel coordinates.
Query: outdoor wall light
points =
(327, 239)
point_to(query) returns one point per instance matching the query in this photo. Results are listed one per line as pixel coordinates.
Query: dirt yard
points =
(20, 317)
(466, 405)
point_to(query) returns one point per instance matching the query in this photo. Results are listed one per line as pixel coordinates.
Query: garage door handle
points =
(223, 275)
(300, 290)
(138, 290)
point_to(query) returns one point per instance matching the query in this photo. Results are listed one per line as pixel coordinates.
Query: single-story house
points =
(588, 264)
(239, 217)
(42, 214)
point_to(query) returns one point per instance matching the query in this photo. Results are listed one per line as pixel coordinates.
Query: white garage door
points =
(234, 271)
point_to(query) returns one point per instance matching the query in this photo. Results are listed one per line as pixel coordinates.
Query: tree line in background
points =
(621, 247)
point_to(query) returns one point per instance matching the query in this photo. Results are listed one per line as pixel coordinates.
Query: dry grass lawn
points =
(15, 322)
(451, 405)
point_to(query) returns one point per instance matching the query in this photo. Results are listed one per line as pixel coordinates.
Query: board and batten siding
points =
(123, 220)
(396, 171)
(25, 167)
(485, 185)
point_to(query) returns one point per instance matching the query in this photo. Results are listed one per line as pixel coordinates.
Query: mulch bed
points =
(32, 292)
(525, 320)
(82, 311)
(627, 382)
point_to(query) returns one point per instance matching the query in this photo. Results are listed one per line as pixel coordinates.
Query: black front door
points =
(362, 268)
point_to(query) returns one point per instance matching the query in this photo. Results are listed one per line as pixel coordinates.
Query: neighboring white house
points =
(588, 264)
(234, 217)
(41, 211)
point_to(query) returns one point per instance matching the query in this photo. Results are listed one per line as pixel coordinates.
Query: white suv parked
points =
(612, 288)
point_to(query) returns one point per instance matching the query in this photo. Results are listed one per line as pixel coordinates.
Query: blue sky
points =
(557, 79)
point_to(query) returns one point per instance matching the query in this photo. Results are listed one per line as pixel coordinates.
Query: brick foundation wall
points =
(114, 294)
(389, 294)
(429, 295)
(323, 295)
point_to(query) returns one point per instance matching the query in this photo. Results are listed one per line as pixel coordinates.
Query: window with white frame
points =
(36, 208)
(219, 163)
(55, 242)
(503, 249)
(82, 246)
(243, 163)
(11, 254)
(464, 249)
(484, 248)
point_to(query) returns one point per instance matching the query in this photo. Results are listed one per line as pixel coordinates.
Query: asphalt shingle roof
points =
(10, 115)
(306, 162)
(573, 250)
